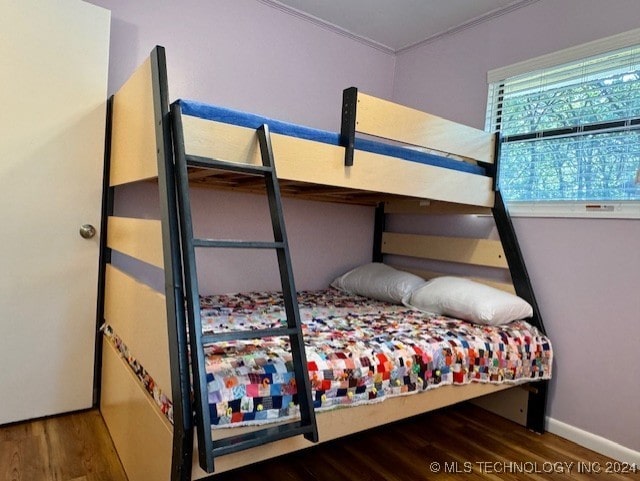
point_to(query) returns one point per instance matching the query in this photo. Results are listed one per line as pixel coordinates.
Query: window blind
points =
(570, 132)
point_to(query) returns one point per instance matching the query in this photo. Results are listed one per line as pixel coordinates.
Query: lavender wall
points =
(586, 272)
(246, 55)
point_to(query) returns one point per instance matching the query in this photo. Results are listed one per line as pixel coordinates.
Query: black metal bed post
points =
(105, 254)
(378, 230)
(537, 403)
(182, 451)
(348, 124)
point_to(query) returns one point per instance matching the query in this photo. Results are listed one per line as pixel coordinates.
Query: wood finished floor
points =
(77, 447)
(72, 447)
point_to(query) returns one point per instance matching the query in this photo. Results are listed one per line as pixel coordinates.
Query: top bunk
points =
(384, 151)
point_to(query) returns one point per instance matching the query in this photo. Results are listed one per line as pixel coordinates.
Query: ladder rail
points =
(289, 291)
(192, 296)
(306, 426)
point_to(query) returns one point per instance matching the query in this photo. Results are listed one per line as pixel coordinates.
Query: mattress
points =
(358, 351)
(253, 121)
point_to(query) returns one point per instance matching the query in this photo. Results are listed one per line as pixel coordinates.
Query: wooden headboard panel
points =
(474, 252)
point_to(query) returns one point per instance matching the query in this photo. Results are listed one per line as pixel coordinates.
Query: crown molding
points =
(498, 12)
(384, 48)
(327, 25)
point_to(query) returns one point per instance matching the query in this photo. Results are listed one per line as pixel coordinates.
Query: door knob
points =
(87, 231)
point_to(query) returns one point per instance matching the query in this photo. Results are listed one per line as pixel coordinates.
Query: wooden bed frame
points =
(152, 324)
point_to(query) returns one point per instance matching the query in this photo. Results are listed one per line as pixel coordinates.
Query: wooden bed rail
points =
(366, 114)
(311, 168)
(477, 252)
(137, 238)
(133, 135)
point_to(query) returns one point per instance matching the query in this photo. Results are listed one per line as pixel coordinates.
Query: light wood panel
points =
(389, 120)
(133, 135)
(512, 404)
(138, 238)
(138, 315)
(480, 252)
(306, 161)
(428, 207)
(141, 434)
(425, 274)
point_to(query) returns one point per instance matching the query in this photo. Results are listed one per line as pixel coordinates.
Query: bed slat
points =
(480, 252)
(389, 120)
(432, 207)
(503, 286)
(138, 238)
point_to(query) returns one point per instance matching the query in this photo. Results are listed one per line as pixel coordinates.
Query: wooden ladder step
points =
(237, 244)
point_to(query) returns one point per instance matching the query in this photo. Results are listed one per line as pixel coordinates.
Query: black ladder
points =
(306, 425)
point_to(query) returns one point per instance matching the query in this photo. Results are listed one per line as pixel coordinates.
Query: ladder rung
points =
(208, 163)
(237, 244)
(258, 438)
(252, 334)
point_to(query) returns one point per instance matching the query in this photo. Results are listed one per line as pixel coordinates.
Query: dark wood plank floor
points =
(458, 443)
(73, 447)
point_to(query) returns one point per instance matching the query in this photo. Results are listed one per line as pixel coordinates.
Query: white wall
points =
(585, 272)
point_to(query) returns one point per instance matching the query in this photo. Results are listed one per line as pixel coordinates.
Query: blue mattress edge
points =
(253, 121)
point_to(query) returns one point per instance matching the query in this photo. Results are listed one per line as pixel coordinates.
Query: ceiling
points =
(397, 25)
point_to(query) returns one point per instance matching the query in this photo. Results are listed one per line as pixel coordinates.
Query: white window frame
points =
(585, 209)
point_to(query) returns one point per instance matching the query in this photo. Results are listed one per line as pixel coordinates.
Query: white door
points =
(53, 86)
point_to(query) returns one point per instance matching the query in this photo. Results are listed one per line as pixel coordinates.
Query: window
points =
(570, 131)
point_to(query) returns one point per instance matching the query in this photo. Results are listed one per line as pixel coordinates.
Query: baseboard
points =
(593, 441)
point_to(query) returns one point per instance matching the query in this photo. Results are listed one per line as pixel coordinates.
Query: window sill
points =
(587, 210)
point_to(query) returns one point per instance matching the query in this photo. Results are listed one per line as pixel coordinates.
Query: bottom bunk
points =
(365, 358)
(143, 436)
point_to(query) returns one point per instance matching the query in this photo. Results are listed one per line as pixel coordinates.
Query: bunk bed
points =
(151, 379)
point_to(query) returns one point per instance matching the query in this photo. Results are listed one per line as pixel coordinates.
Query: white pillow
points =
(378, 281)
(468, 300)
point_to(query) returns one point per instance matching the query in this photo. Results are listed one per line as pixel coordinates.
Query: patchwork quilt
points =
(358, 351)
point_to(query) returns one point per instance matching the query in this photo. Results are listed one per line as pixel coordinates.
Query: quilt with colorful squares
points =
(358, 351)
